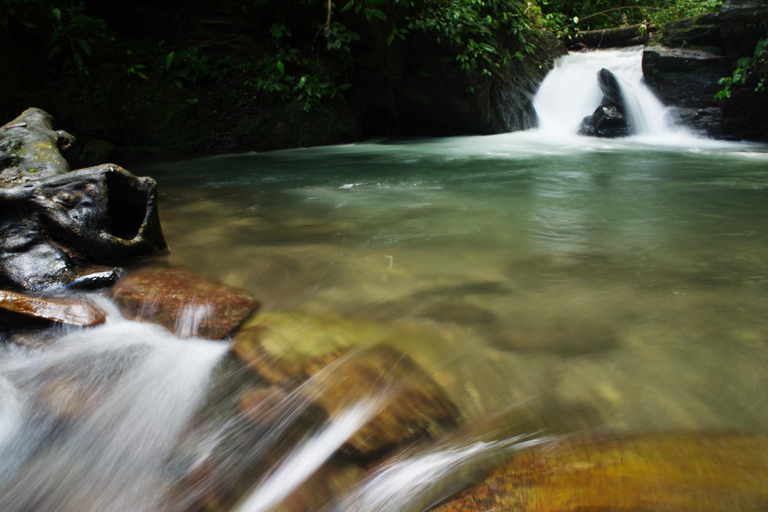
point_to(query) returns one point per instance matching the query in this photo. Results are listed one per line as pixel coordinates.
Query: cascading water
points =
(571, 91)
(91, 423)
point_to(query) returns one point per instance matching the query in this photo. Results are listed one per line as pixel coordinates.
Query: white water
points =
(90, 424)
(570, 92)
(415, 482)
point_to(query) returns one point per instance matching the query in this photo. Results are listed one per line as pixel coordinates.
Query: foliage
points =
(746, 67)
(566, 16)
(73, 34)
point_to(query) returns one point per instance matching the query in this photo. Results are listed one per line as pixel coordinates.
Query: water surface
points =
(618, 284)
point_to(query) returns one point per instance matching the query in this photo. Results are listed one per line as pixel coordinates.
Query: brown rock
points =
(413, 406)
(262, 405)
(670, 472)
(61, 311)
(183, 301)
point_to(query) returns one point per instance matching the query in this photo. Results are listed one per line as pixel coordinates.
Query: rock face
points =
(672, 472)
(59, 311)
(56, 224)
(184, 302)
(686, 60)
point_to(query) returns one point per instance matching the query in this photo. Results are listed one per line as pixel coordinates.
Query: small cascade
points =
(90, 423)
(570, 92)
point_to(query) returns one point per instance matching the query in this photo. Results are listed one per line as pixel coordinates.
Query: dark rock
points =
(610, 87)
(742, 24)
(29, 148)
(745, 115)
(187, 303)
(60, 311)
(93, 277)
(687, 78)
(683, 77)
(703, 121)
(701, 31)
(702, 472)
(55, 225)
(608, 121)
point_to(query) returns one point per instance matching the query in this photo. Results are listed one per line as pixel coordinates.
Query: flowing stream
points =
(557, 284)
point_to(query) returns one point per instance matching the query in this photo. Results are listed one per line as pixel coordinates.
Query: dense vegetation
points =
(239, 57)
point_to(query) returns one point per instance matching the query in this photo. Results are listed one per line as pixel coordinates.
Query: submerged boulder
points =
(337, 363)
(187, 303)
(667, 472)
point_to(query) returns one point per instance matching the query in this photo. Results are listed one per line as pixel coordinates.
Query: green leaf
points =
(280, 67)
(348, 6)
(85, 46)
(169, 60)
(56, 14)
(142, 75)
(78, 61)
(379, 14)
(390, 39)
(344, 87)
(56, 49)
(302, 81)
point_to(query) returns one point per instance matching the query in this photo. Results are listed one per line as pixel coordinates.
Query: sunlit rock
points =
(62, 311)
(668, 472)
(185, 302)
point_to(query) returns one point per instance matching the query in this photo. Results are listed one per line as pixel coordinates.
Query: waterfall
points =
(91, 423)
(570, 92)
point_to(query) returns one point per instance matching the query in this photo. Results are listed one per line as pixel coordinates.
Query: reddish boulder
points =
(62, 311)
(185, 302)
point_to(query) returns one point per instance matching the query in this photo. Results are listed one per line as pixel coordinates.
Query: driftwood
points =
(55, 225)
(631, 35)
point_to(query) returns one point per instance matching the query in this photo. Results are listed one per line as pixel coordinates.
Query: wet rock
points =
(54, 226)
(262, 406)
(61, 311)
(684, 77)
(185, 302)
(669, 472)
(325, 357)
(412, 405)
(609, 85)
(608, 121)
(93, 277)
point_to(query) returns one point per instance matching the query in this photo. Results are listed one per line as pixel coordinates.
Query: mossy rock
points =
(669, 472)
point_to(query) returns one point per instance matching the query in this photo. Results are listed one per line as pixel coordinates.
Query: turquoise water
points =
(588, 283)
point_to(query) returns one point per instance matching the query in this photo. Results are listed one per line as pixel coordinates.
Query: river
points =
(572, 284)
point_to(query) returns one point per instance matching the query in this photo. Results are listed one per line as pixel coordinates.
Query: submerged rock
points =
(669, 472)
(324, 357)
(411, 405)
(60, 311)
(566, 338)
(185, 302)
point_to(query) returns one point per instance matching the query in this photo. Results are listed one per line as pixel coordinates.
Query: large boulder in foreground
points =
(55, 225)
(186, 303)
(706, 473)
